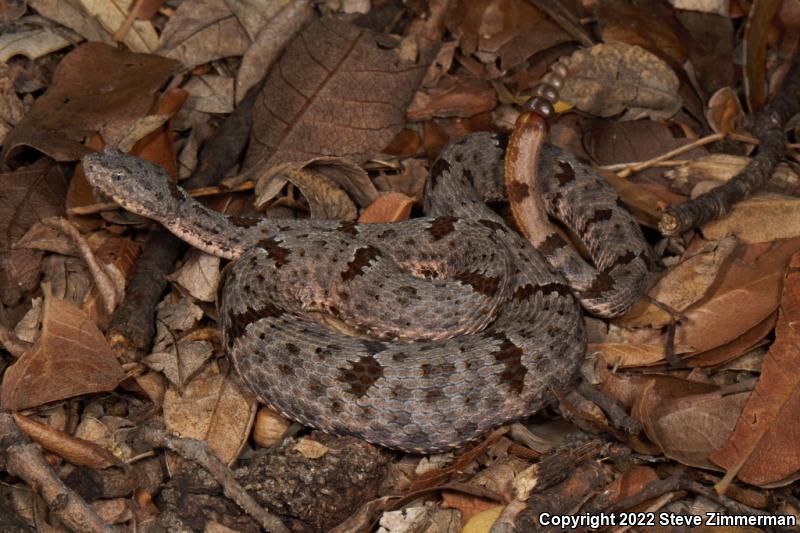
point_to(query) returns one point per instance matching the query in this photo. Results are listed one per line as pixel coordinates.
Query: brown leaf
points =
(454, 96)
(746, 294)
(735, 348)
(686, 421)
(71, 358)
(95, 89)
(763, 449)
(27, 195)
(513, 29)
(608, 79)
(390, 207)
(335, 91)
(77, 451)
(202, 31)
(724, 111)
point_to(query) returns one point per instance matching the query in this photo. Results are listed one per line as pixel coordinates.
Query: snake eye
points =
(117, 176)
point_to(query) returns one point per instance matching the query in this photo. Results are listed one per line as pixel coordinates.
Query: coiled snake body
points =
(462, 324)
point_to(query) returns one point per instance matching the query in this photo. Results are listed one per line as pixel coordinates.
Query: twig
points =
(195, 193)
(198, 452)
(767, 127)
(24, 459)
(626, 169)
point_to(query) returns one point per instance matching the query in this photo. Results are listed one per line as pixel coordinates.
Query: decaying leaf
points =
(199, 276)
(95, 89)
(71, 14)
(140, 37)
(611, 78)
(337, 90)
(763, 448)
(71, 358)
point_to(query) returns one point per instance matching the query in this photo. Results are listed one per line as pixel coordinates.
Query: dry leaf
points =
(202, 31)
(683, 285)
(722, 167)
(390, 207)
(269, 428)
(724, 111)
(763, 449)
(720, 7)
(608, 79)
(70, 13)
(140, 37)
(628, 354)
(311, 449)
(747, 293)
(270, 42)
(466, 504)
(755, 51)
(455, 96)
(77, 451)
(685, 421)
(71, 358)
(32, 44)
(761, 218)
(27, 196)
(214, 409)
(199, 275)
(336, 90)
(210, 94)
(95, 89)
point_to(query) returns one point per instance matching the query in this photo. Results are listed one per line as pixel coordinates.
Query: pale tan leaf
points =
(270, 428)
(608, 79)
(212, 408)
(210, 94)
(32, 44)
(761, 218)
(70, 13)
(199, 275)
(112, 14)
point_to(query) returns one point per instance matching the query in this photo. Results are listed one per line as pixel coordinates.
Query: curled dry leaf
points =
(686, 419)
(324, 182)
(95, 89)
(71, 358)
(214, 409)
(611, 78)
(199, 275)
(761, 218)
(337, 90)
(763, 448)
(390, 207)
(77, 451)
(31, 44)
(29, 195)
(724, 111)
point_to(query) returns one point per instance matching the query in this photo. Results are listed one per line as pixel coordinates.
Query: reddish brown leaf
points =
(453, 97)
(763, 449)
(95, 89)
(77, 451)
(71, 358)
(28, 195)
(390, 207)
(335, 91)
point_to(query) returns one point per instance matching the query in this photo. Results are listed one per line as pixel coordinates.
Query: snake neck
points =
(214, 233)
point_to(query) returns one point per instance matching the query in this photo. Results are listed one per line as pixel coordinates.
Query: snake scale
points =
(463, 325)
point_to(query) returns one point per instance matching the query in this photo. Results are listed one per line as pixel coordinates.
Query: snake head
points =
(137, 185)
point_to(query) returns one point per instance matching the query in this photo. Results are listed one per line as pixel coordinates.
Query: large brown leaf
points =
(763, 449)
(95, 89)
(337, 90)
(26, 196)
(71, 358)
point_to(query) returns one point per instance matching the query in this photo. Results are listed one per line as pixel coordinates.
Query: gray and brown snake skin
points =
(465, 325)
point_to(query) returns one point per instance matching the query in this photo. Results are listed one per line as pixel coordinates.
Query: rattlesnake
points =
(463, 324)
